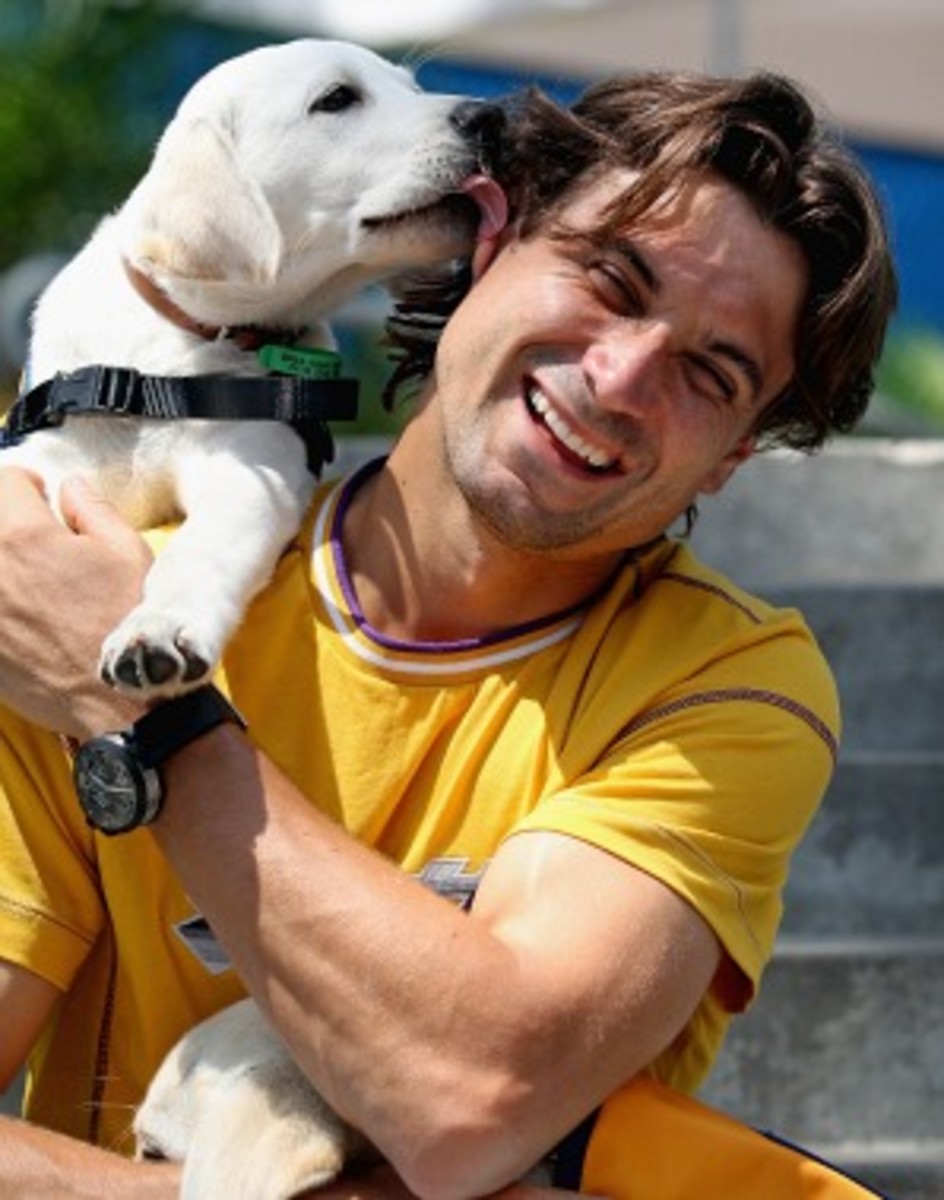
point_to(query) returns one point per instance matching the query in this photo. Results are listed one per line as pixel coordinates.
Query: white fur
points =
(230, 1104)
(254, 211)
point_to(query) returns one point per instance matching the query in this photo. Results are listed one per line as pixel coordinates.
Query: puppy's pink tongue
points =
(492, 202)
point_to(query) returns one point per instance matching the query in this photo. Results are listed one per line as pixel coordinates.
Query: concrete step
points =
(909, 1170)
(886, 646)
(872, 862)
(845, 1044)
(865, 510)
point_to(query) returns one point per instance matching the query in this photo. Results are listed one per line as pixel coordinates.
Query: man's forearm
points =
(464, 1046)
(37, 1164)
(339, 946)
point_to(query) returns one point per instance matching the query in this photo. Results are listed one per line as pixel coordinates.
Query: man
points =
(483, 653)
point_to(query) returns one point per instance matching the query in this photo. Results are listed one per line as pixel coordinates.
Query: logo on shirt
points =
(452, 879)
(200, 940)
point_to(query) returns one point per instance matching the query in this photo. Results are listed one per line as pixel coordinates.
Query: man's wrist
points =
(175, 723)
(118, 774)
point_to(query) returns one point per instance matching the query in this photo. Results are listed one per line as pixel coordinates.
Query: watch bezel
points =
(143, 749)
(146, 793)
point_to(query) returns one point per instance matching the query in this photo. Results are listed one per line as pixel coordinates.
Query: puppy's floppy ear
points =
(197, 215)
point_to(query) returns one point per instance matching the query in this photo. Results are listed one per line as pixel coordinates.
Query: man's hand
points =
(62, 588)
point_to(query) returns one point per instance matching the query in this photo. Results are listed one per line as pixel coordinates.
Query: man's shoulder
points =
(687, 579)
(672, 584)
(681, 623)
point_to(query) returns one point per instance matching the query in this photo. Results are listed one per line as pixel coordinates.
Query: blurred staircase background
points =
(843, 1051)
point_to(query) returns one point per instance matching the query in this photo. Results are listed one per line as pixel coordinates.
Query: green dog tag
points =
(305, 362)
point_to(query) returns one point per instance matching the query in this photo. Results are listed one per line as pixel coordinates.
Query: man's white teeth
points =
(556, 424)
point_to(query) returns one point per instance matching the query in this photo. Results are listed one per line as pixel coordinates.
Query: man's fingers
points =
(86, 511)
(84, 508)
(20, 488)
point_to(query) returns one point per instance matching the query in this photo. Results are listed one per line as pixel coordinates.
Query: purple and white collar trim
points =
(417, 658)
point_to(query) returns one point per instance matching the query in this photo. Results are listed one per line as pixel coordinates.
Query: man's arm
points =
(26, 1001)
(41, 1165)
(36, 1163)
(464, 1045)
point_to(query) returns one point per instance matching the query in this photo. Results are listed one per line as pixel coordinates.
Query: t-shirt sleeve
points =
(710, 790)
(50, 907)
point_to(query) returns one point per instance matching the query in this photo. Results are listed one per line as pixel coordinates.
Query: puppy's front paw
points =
(156, 654)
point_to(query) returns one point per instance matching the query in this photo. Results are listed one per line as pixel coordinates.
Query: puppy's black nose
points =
(480, 123)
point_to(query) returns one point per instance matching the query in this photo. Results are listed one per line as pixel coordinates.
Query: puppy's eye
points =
(336, 99)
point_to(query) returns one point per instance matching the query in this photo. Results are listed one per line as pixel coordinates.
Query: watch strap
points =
(174, 723)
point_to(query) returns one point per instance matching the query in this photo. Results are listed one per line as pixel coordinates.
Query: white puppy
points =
(230, 1104)
(289, 178)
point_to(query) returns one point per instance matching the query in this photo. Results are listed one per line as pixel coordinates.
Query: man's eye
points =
(336, 99)
(711, 381)
(615, 289)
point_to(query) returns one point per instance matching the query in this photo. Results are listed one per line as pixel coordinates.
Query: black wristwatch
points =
(117, 775)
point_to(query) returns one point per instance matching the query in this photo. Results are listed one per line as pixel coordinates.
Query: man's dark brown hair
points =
(761, 135)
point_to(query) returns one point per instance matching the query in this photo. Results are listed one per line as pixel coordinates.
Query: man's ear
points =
(715, 480)
(487, 250)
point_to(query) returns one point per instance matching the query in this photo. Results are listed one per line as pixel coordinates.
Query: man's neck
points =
(424, 570)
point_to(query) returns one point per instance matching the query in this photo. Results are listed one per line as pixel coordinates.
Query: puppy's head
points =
(296, 173)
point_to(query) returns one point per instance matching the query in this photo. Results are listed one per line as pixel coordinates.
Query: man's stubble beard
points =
(497, 510)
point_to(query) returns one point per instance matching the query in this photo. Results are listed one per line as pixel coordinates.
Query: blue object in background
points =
(911, 184)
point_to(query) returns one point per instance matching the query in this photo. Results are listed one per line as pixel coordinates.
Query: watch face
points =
(116, 794)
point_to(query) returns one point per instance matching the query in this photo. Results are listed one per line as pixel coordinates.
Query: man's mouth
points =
(569, 442)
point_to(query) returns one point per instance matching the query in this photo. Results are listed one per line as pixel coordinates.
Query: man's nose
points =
(628, 368)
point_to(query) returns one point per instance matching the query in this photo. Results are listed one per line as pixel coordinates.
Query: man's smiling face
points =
(590, 389)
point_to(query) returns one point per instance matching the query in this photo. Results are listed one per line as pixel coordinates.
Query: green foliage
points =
(72, 142)
(361, 343)
(911, 375)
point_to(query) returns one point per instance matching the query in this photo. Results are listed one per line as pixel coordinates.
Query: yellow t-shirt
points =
(674, 720)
